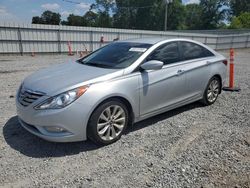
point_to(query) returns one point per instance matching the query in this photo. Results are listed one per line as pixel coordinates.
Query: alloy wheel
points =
(111, 122)
(213, 90)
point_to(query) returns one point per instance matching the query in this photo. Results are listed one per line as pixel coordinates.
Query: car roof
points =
(147, 40)
(155, 40)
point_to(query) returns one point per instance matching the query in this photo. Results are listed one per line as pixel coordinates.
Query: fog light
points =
(55, 129)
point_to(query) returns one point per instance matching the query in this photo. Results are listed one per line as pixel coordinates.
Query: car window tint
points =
(207, 53)
(116, 55)
(167, 53)
(194, 51)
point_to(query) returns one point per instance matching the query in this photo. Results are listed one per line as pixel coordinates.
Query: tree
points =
(147, 14)
(212, 13)
(122, 15)
(193, 15)
(47, 17)
(150, 15)
(245, 19)
(104, 20)
(103, 8)
(91, 18)
(235, 24)
(240, 22)
(239, 6)
(176, 15)
(156, 18)
(36, 20)
(75, 20)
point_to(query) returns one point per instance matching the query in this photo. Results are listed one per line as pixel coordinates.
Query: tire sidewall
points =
(92, 124)
(205, 99)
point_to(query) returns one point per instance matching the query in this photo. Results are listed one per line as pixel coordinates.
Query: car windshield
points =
(117, 55)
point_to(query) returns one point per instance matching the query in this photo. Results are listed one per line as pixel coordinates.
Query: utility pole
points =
(166, 14)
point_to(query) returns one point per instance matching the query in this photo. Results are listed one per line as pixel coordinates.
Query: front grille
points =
(27, 97)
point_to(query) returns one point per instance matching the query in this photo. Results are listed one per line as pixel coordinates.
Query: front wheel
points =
(212, 91)
(108, 122)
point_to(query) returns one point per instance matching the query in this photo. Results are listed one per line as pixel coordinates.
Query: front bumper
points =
(73, 118)
(53, 137)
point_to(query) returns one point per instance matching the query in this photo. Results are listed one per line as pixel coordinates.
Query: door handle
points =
(180, 72)
(209, 62)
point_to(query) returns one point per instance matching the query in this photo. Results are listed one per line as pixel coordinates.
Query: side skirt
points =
(168, 108)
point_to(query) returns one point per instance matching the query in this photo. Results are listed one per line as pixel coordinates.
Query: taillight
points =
(224, 62)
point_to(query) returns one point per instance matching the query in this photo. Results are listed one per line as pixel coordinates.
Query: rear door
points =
(198, 70)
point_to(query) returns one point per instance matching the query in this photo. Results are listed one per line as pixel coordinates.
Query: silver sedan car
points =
(98, 96)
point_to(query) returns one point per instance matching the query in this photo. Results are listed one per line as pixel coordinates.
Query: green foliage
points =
(176, 15)
(91, 18)
(36, 20)
(245, 19)
(240, 22)
(138, 14)
(212, 13)
(235, 24)
(239, 6)
(103, 8)
(75, 20)
(193, 16)
(150, 15)
(222, 25)
(47, 17)
(104, 20)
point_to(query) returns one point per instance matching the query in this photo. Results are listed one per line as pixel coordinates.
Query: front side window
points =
(167, 53)
(117, 55)
(194, 51)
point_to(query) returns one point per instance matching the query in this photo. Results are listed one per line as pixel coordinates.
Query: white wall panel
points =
(44, 38)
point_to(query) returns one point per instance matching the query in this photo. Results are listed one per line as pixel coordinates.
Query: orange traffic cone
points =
(70, 50)
(231, 74)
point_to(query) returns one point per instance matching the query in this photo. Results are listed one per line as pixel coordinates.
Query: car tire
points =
(108, 122)
(212, 91)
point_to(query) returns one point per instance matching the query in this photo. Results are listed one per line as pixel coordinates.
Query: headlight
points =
(63, 99)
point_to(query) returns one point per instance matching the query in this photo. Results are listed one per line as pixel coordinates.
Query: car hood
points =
(66, 76)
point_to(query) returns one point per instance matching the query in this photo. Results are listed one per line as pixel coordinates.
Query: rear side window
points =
(167, 53)
(194, 51)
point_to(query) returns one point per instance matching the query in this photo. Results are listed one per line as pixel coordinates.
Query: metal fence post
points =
(91, 41)
(20, 40)
(247, 41)
(59, 41)
(216, 44)
(232, 42)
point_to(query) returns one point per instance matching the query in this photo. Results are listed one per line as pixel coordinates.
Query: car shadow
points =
(163, 116)
(32, 146)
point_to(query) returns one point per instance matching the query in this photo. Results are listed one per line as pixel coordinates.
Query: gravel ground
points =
(192, 146)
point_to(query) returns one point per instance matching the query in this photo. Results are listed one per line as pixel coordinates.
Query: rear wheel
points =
(212, 91)
(108, 122)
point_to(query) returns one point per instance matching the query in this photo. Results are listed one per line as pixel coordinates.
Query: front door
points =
(162, 88)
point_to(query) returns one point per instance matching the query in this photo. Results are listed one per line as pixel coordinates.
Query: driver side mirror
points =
(152, 65)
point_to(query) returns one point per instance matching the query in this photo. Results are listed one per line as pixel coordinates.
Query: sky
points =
(22, 11)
